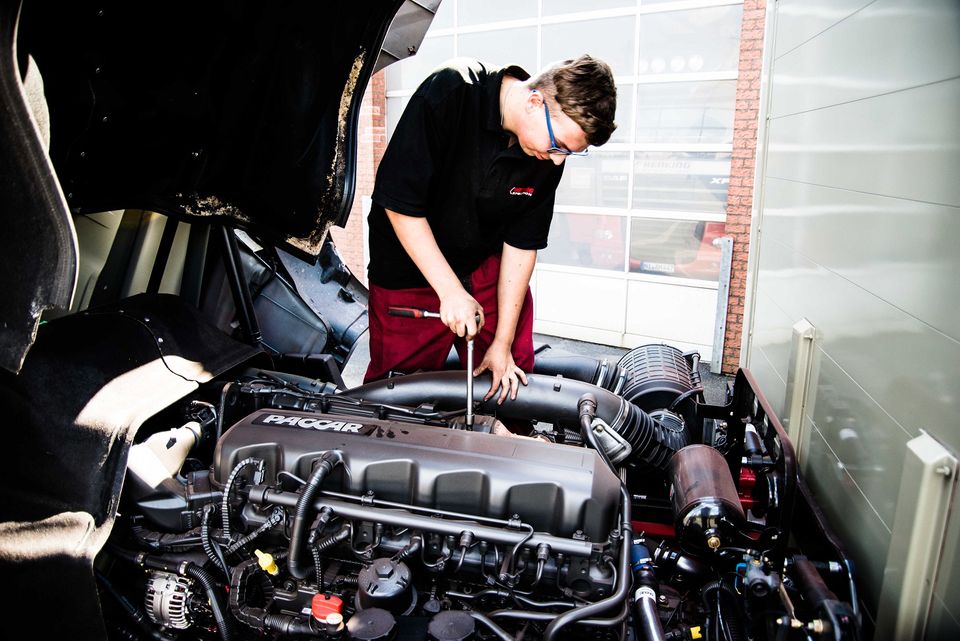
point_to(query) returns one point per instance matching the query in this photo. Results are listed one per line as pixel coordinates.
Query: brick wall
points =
(740, 196)
(372, 140)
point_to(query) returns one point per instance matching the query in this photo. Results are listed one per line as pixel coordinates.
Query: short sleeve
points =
(409, 162)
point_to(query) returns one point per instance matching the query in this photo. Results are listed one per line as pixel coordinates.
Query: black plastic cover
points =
(557, 488)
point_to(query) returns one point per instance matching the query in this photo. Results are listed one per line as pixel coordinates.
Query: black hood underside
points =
(240, 110)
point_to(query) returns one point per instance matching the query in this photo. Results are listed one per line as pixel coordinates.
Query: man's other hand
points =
(506, 375)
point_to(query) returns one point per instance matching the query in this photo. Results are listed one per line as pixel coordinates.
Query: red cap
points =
(322, 605)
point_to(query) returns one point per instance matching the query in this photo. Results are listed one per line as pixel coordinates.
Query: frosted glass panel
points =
(555, 7)
(686, 112)
(473, 12)
(610, 39)
(509, 46)
(586, 240)
(624, 115)
(690, 41)
(597, 180)
(681, 181)
(682, 248)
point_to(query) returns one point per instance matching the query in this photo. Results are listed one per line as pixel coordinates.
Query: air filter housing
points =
(662, 377)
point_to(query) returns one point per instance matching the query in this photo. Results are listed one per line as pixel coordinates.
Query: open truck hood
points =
(243, 111)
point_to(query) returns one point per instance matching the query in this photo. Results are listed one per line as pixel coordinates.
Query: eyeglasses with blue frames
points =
(554, 149)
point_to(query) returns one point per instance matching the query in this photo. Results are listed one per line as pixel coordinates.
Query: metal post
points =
(725, 244)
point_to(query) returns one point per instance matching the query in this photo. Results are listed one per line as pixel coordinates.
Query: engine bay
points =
(284, 507)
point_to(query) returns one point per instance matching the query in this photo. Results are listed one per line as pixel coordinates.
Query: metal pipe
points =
(263, 495)
(623, 578)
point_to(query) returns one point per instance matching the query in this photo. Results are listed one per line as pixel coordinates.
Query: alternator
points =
(167, 600)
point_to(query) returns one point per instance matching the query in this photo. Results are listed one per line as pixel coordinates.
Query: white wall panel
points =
(903, 251)
(769, 379)
(905, 144)
(801, 20)
(578, 299)
(671, 312)
(888, 46)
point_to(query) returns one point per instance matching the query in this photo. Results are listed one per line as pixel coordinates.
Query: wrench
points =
(412, 312)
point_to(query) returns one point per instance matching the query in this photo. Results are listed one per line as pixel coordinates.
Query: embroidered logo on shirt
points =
(521, 191)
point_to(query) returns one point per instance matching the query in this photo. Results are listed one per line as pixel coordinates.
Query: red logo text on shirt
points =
(521, 191)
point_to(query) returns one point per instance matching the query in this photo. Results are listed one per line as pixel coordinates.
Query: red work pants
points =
(402, 344)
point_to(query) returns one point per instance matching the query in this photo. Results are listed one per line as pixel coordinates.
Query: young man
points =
(463, 200)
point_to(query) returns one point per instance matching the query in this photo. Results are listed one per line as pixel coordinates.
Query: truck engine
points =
(286, 508)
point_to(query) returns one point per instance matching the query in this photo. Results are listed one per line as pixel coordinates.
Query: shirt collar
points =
(492, 89)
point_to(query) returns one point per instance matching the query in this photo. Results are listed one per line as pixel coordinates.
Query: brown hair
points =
(585, 91)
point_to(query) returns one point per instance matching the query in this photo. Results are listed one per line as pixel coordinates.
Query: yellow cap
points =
(266, 562)
(695, 632)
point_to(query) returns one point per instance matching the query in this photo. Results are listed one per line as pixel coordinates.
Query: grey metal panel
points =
(773, 333)
(849, 514)
(888, 46)
(886, 246)
(800, 20)
(946, 591)
(942, 624)
(860, 211)
(909, 368)
(768, 379)
(861, 434)
(905, 144)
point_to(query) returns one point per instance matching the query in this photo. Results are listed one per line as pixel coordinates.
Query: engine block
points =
(557, 489)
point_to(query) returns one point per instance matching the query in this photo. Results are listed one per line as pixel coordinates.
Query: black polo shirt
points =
(450, 161)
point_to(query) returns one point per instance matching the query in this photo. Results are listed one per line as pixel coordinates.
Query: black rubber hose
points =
(135, 613)
(276, 518)
(550, 616)
(581, 368)
(544, 398)
(203, 577)
(228, 487)
(298, 538)
(287, 624)
(588, 411)
(724, 615)
(317, 549)
(213, 553)
(487, 621)
(623, 577)
(646, 618)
